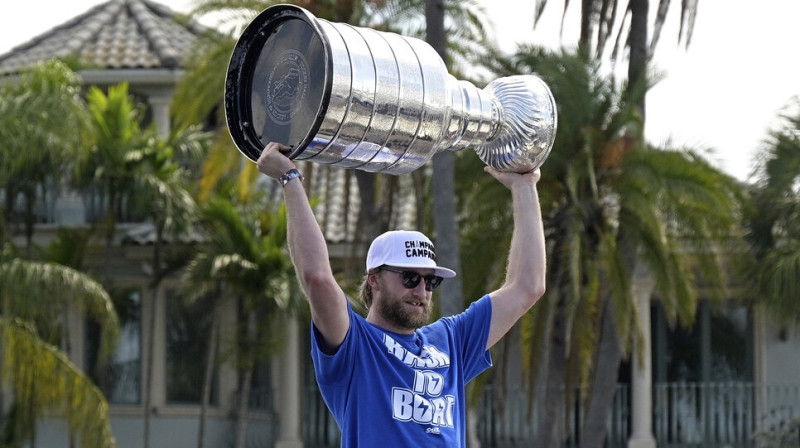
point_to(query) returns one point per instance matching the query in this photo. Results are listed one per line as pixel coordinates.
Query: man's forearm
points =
(306, 242)
(525, 272)
(526, 260)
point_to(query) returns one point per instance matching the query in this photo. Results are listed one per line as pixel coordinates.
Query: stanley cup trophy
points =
(374, 101)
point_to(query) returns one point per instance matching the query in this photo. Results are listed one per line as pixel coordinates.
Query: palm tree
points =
(444, 216)
(243, 259)
(605, 191)
(774, 222)
(107, 165)
(68, 249)
(40, 376)
(598, 19)
(43, 126)
(137, 171)
(161, 188)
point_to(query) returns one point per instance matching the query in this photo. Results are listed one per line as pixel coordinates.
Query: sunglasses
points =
(411, 279)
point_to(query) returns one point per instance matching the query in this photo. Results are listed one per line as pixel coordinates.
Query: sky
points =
(725, 92)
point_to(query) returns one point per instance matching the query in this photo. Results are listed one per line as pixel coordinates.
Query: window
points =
(120, 378)
(187, 338)
(717, 348)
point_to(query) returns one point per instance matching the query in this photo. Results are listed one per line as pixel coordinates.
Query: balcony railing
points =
(513, 423)
(88, 207)
(728, 414)
(685, 415)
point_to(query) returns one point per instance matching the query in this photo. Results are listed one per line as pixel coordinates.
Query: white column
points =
(760, 341)
(70, 210)
(288, 395)
(154, 326)
(228, 375)
(159, 104)
(642, 371)
(75, 335)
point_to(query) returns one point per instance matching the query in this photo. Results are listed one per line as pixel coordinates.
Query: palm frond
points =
(773, 222)
(778, 277)
(222, 160)
(32, 288)
(43, 378)
(208, 60)
(168, 201)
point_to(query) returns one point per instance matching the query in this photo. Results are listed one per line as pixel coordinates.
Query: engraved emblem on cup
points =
(375, 101)
(287, 86)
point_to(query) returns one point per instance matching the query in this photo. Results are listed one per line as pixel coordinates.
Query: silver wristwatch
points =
(290, 175)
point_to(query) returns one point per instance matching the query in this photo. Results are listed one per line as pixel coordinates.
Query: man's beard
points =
(396, 310)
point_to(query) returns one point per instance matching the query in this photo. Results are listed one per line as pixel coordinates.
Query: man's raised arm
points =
(526, 270)
(308, 249)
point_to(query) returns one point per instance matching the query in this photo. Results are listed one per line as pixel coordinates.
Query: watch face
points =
(289, 175)
(277, 85)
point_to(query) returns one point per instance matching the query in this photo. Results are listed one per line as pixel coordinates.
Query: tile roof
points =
(337, 202)
(117, 34)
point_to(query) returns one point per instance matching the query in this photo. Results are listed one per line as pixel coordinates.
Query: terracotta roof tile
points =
(337, 202)
(118, 34)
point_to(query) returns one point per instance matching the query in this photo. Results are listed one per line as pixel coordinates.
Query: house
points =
(734, 373)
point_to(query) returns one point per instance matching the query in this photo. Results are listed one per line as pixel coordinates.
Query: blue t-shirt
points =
(392, 390)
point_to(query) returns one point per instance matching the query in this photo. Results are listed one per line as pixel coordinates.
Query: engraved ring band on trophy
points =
(375, 101)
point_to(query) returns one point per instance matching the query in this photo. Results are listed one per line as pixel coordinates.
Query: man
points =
(391, 380)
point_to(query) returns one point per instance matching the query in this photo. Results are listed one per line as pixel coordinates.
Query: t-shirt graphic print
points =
(392, 390)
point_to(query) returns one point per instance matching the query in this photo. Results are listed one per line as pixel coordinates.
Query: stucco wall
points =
(782, 355)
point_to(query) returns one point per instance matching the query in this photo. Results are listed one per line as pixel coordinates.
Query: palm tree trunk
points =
(110, 224)
(208, 376)
(451, 299)
(148, 384)
(66, 345)
(11, 194)
(604, 383)
(151, 342)
(608, 358)
(609, 355)
(3, 410)
(241, 423)
(472, 428)
(29, 220)
(247, 380)
(638, 45)
(3, 415)
(32, 414)
(369, 219)
(550, 415)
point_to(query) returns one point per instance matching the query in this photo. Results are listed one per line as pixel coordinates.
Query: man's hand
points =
(508, 179)
(273, 160)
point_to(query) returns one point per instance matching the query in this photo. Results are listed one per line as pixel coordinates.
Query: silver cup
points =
(375, 101)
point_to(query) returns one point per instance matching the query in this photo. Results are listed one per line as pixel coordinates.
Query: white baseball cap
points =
(405, 249)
